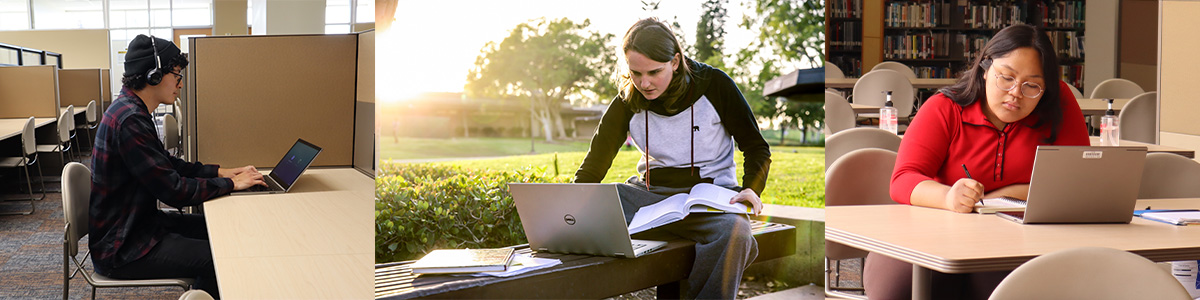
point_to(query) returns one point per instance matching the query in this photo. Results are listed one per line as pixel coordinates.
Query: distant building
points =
(447, 115)
(806, 85)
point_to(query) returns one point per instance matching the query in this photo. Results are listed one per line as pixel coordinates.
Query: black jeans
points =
(183, 253)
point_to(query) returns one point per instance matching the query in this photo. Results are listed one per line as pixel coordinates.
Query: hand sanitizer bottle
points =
(1110, 131)
(888, 116)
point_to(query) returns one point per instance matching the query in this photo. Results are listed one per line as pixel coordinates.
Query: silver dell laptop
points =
(576, 218)
(1082, 184)
(284, 175)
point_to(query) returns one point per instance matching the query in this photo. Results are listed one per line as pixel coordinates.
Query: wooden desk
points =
(948, 242)
(1090, 107)
(864, 109)
(78, 110)
(13, 127)
(1097, 107)
(1189, 153)
(315, 242)
(920, 83)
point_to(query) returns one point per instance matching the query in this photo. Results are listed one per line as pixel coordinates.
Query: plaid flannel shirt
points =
(131, 171)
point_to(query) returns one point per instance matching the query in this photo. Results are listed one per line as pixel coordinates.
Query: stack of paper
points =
(522, 263)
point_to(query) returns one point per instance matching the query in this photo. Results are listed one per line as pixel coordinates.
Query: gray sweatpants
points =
(724, 245)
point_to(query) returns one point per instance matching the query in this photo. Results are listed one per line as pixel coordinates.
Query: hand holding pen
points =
(963, 194)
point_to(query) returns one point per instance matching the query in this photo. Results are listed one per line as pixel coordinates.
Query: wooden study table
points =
(1090, 107)
(1097, 107)
(949, 242)
(1151, 148)
(314, 242)
(78, 110)
(920, 83)
(13, 127)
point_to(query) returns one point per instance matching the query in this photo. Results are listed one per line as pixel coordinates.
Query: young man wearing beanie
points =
(131, 171)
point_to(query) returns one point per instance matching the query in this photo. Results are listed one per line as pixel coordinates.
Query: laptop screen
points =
(297, 159)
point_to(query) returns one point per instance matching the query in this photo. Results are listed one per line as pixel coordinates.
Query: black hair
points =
(971, 86)
(137, 82)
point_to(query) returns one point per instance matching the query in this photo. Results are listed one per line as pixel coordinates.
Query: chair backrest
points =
(898, 67)
(1139, 117)
(860, 177)
(171, 131)
(76, 192)
(832, 71)
(28, 140)
(1167, 175)
(838, 114)
(1075, 91)
(869, 89)
(93, 113)
(852, 139)
(66, 123)
(1089, 273)
(195, 295)
(1116, 88)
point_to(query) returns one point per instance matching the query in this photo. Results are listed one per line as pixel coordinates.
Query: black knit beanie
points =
(139, 58)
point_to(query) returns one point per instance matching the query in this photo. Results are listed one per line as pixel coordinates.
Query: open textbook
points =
(704, 197)
(993, 205)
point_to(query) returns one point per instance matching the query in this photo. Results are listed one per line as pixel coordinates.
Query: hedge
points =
(422, 207)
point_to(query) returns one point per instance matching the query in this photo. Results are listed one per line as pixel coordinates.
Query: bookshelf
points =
(844, 33)
(938, 38)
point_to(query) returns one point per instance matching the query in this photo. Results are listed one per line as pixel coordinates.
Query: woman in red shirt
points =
(991, 121)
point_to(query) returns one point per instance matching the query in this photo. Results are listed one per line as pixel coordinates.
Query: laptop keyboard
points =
(258, 188)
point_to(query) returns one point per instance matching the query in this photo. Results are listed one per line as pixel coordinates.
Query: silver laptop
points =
(1082, 184)
(283, 177)
(576, 218)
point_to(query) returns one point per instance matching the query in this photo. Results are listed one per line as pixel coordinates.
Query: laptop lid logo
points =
(570, 219)
(1093, 154)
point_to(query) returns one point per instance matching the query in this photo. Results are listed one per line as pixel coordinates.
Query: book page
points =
(665, 211)
(713, 198)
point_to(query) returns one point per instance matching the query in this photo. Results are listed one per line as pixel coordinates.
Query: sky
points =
(432, 44)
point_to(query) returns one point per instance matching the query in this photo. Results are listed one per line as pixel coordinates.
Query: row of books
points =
(844, 8)
(917, 46)
(1062, 13)
(972, 43)
(851, 65)
(1072, 74)
(846, 35)
(916, 14)
(1067, 44)
(995, 16)
(934, 72)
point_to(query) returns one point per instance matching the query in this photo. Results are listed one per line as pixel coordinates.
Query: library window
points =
(67, 14)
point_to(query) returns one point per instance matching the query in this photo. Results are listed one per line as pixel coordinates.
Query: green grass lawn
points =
(797, 175)
(424, 148)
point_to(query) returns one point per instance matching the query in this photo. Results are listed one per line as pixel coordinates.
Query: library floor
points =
(31, 257)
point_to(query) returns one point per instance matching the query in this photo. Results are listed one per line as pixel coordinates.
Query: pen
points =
(969, 177)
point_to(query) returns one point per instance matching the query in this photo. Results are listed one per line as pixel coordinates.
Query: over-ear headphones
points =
(154, 77)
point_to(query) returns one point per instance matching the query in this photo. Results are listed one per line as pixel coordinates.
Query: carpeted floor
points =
(31, 257)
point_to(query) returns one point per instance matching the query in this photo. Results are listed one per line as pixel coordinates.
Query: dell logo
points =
(570, 219)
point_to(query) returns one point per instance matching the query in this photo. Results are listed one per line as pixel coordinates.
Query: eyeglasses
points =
(1028, 89)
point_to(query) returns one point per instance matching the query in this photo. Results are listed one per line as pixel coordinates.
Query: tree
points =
(546, 63)
(710, 33)
(790, 32)
(794, 29)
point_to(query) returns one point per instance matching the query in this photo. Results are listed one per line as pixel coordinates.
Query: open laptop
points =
(576, 218)
(1082, 184)
(284, 175)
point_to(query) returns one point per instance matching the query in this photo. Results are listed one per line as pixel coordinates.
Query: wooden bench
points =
(579, 276)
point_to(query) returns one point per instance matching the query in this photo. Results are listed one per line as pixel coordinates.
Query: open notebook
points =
(993, 205)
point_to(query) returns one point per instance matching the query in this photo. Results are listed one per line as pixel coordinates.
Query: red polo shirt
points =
(944, 136)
